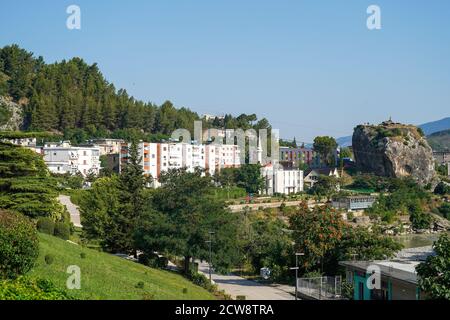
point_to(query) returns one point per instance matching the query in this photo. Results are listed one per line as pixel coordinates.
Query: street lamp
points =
(297, 254)
(210, 253)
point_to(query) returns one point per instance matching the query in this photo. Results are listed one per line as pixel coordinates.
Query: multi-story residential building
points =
(65, 158)
(280, 180)
(147, 153)
(161, 157)
(108, 146)
(228, 156)
(298, 156)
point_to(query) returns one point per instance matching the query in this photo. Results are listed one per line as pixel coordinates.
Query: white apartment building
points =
(64, 158)
(161, 157)
(279, 180)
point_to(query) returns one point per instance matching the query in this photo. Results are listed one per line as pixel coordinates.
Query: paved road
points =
(73, 209)
(235, 286)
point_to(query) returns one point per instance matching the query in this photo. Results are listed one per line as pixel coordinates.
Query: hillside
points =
(435, 126)
(439, 140)
(74, 98)
(104, 276)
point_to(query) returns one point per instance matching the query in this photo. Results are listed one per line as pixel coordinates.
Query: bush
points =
(24, 288)
(62, 230)
(140, 285)
(48, 259)
(83, 255)
(19, 245)
(46, 225)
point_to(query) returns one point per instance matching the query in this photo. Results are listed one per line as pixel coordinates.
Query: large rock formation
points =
(11, 115)
(394, 150)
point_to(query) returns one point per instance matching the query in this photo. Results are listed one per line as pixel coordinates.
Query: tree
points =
(249, 177)
(362, 244)
(315, 232)
(19, 247)
(180, 216)
(130, 187)
(265, 243)
(326, 186)
(442, 188)
(326, 146)
(434, 273)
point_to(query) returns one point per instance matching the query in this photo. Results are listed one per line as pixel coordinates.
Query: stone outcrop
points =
(394, 150)
(11, 115)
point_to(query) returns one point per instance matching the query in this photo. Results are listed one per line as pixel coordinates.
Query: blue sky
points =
(311, 67)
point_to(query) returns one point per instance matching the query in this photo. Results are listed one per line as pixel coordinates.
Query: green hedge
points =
(25, 288)
(19, 245)
(46, 225)
(62, 230)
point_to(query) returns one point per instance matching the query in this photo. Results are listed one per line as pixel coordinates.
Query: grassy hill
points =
(104, 276)
(440, 140)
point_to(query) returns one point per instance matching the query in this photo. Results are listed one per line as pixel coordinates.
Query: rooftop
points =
(401, 267)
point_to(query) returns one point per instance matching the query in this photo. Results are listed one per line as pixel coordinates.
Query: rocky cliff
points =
(394, 150)
(11, 115)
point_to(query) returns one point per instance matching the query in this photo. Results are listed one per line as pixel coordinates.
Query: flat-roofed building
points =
(64, 158)
(350, 203)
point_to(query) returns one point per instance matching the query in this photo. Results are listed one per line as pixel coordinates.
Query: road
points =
(73, 209)
(237, 286)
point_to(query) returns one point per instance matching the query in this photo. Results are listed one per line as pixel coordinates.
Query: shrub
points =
(140, 285)
(46, 225)
(62, 230)
(185, 290)
(83, 255)
(48, 259)
(19, 246)
(24, 288)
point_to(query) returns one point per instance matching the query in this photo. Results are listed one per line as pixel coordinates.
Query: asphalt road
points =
(237, 286)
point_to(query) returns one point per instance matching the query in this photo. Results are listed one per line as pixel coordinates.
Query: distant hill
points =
(428, 128)
(436, 126)
(439, 140)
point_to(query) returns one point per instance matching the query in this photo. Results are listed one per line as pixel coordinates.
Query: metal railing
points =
(321, 288)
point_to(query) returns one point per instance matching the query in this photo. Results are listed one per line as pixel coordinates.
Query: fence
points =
(320, 288)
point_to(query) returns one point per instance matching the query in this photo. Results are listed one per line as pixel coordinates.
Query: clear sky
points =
(310, 66)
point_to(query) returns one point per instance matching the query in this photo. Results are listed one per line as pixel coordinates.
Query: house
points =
(64, 158)
(280, 180)
(108, 146)
(397, 277)
(350, 203)
(312, 175)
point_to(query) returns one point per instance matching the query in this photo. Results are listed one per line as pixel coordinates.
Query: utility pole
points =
(210, 253)
(296, 272)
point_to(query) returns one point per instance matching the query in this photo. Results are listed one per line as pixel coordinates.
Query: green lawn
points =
(104, 276)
